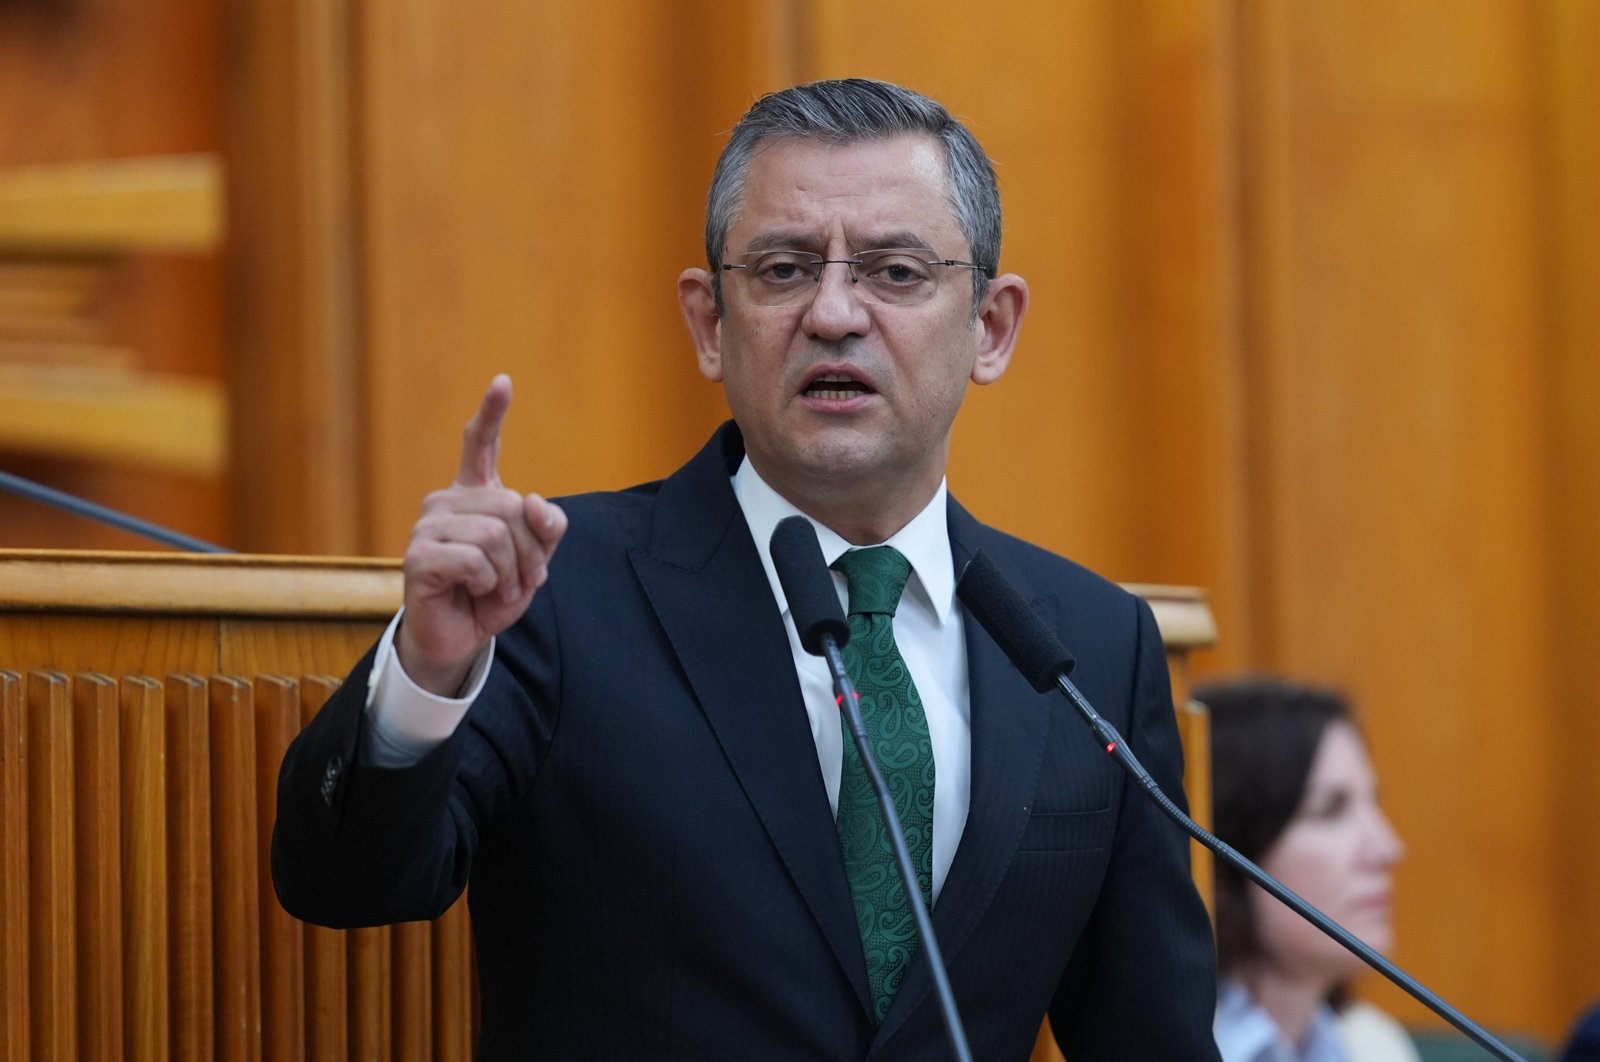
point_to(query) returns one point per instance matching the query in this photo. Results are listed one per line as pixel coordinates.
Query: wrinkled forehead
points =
(808, 194)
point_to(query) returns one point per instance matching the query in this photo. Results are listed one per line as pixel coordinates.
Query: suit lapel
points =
(1010, 722)
(706, 584)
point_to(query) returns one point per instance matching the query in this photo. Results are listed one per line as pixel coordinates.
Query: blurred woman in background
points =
(1294, 791)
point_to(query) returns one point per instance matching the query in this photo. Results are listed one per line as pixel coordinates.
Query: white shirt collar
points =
(1247, 1033)
(925, 541)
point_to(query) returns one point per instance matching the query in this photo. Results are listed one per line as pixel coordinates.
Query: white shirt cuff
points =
(404, 721)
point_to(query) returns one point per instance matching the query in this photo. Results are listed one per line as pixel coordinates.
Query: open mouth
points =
(835, 387)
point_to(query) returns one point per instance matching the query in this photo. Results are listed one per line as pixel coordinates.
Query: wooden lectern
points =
(145, 703)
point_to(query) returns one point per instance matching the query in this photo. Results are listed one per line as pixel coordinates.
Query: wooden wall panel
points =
(1405, 462)
(102, 79)
(293, 340)
(107, 78)
(1570, 39)
(534, 178)
(1110, 132)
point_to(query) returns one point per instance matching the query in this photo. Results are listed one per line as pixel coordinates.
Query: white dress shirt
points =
(1358, 1033)
(406, 721)
(929, 631)
(1246, 1033)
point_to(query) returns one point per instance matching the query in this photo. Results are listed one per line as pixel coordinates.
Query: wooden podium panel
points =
(146, 700)
(160, 613)
(1186, 625)
(145, 703)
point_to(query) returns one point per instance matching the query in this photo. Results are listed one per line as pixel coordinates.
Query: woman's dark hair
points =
(1265, 733)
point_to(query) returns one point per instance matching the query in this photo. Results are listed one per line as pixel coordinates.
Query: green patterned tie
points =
(896, 726)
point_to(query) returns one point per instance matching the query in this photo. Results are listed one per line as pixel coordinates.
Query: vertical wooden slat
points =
(14, 967)
(452, 984)
(96, 718)
(51, 915)
(189, 854)
(326, 995)
(327, 967)
(237, 914)
(144, 854)
(475, 993)
(369, 954)
(369, 992)
(283, 1032)
(412, 954)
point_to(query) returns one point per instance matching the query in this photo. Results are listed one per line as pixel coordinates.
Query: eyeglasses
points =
(898, 276)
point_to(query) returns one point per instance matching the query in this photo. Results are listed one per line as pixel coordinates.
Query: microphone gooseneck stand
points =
(1042, 659)
(44, 495)
(823, 632)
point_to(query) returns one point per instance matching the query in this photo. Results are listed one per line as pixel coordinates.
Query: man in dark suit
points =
(642, 776)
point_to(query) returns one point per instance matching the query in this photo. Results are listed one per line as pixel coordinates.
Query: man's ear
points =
(699, 307)
(999, 320)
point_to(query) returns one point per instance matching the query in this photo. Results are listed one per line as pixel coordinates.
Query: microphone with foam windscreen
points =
(823, 630)
(1040, 656)
(1036, 651)
(1010, 621)
(803, 574)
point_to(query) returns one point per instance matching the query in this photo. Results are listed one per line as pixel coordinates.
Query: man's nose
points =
(838, 307)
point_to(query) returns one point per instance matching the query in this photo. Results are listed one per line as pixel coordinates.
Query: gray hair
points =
(849, 111)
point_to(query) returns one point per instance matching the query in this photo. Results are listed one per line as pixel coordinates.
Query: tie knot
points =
(877, 577)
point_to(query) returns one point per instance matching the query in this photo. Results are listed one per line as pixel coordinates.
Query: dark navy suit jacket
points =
(636, 804)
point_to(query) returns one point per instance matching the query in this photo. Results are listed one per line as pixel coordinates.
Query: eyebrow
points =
(910, 241)
(779, 241)
(794, 241)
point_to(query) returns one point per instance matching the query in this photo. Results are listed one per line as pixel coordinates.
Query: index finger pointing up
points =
(480, 442)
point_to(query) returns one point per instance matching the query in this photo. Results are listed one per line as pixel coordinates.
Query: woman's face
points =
(1336, 853)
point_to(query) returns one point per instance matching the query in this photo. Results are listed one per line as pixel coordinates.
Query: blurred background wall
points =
(1315, 327)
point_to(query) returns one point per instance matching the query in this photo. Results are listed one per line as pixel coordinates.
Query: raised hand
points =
(477, 554)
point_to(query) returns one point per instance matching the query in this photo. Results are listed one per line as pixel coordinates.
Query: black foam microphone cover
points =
(813, 602)
(1012, 623)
